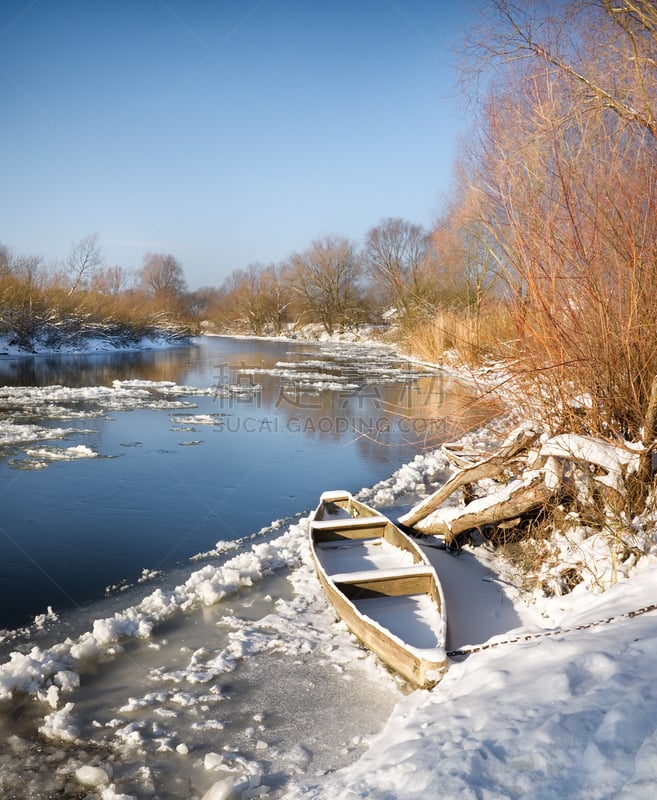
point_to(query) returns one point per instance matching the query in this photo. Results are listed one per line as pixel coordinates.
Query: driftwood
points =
(517, 443)
(612, 461)
(459, 457)
(519, 497)
(606, 463)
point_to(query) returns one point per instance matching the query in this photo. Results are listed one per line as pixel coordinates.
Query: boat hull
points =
(381, 586)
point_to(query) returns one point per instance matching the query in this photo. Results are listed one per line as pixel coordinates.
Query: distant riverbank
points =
(95, 340)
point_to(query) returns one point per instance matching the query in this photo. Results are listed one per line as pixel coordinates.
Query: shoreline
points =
(92, 346)
(453, 734)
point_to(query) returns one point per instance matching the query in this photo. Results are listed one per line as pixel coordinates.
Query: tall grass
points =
(463, 336)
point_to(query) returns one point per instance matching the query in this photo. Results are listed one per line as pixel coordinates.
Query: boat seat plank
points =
(381, 574)
(353, 522)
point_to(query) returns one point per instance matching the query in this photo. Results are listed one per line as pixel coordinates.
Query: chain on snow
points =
(466, 651)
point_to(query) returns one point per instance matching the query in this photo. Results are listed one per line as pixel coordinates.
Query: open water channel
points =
(124, 477)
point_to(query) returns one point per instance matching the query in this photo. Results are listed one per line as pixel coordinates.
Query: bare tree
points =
(27, 268)
(84, 258)
(250, 299)
(397, 258)
(162, 276)
(326, 278)
(466, 264)
(605, 49)
(279, 297)
(565, 172)
(255, 299)
(203, 302)
(31, 269)
(110, 281)
(597, 54)
(5, 261)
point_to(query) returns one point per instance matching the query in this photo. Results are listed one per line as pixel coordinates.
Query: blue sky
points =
(225, 132)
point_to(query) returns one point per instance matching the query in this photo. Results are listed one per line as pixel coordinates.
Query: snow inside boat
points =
(382, 586)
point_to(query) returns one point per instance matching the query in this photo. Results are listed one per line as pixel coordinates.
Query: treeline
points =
(400, 274)
(545, 254)
(61, 303)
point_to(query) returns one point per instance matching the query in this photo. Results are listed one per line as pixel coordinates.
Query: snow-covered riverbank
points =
(12, 346)
(563, 706)
(566, 713)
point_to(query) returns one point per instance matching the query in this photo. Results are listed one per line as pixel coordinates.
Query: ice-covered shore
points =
(569, 711)
(90, 342)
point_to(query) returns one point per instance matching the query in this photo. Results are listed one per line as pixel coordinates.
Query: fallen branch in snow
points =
(458, 456)
(645, 468)
(615, 462)
(604, 463)
(515, 499)
(518, 443)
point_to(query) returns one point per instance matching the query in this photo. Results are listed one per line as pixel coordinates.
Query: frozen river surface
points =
(163, 632)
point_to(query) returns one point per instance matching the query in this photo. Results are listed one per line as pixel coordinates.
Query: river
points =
(122, 474)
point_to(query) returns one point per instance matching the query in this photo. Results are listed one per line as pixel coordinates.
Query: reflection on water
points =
(267, 427)
(260, 685)
(96, 369)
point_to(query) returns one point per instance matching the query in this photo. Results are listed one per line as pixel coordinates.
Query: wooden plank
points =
(391, 586)
(338, 523)
(347, 534)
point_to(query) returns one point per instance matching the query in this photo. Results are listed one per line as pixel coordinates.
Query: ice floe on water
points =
(41, 457)
(61, 453)
(188, 421)
(206, 683)
(61, 402)
(226, 678)
(20, 406)
(342, 370)
(12, 433)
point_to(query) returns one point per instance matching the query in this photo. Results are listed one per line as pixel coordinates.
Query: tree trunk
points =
(515, 444)
(520, 497)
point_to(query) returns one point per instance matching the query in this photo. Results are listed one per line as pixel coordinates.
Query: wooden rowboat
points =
(382, 586)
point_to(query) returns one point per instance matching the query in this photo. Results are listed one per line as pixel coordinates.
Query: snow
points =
(568, 709)
(571, 717)
(411, 618)
(613, 459)
(554, 697)
(221, 790)
(361, 555)
(567, 715)
(61, 453)
(92, 777)
(58, 725)
(86, 344)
